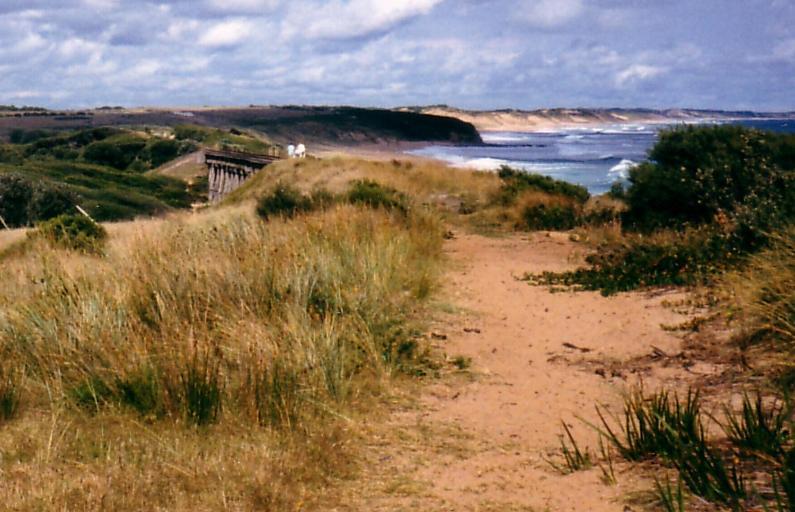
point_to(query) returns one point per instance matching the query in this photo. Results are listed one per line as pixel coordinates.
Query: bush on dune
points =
(516, 181)
(698, 175)
(23, 202)
(549, 212)
(284, 201)
(708, 198)
(74, 232)
(375, 195)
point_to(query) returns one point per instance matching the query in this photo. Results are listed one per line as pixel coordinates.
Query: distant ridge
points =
(280, 124)
(532, 120)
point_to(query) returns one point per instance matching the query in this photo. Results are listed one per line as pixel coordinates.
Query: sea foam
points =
(621, 170)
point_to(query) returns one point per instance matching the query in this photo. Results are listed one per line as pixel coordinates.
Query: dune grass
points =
(208, 361)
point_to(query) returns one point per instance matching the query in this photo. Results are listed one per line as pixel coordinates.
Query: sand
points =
(478, 440)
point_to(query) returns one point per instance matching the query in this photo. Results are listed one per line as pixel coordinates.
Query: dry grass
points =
(9, 237)
(763, 294)
(426, 182)
(207, 362)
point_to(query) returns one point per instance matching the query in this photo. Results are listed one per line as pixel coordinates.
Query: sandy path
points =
(479, 443)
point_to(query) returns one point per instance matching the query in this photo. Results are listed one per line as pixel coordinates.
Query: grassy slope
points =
(426, 182)
(295, 325)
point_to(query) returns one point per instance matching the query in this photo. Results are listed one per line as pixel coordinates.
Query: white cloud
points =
(241, 6)
(638, 73)
(226, 34)
(551, 13)
(340, 19)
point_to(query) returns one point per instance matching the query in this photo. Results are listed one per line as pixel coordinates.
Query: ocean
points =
(594, 157)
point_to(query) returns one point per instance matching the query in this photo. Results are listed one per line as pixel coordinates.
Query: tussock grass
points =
(757, 429)
(194, 339)
(763, 294)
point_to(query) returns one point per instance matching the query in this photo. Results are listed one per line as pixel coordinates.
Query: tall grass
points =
(764, 293)
(316, 300)
(219, 324)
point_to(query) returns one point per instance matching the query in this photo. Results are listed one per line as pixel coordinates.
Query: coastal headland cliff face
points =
(556, 118)
(329, 125)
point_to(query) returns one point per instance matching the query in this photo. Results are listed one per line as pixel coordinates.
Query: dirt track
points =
(479, 439)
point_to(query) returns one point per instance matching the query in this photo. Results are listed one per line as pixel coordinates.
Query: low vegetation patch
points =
(663, 259)
(664, 428)
(542, 211)
(375, 195)
(74, 232)
(516, 181)
(284, 201)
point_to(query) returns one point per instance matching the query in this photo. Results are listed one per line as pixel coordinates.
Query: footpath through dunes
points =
(480, 439)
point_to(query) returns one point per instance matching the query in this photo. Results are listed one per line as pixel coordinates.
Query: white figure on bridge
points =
(291, 151)
(300, 151)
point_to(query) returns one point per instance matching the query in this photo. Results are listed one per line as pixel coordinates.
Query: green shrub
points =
(515, 181)
(375, 195)
(118, 152)
(696, 174)
(191, 132)
(666, 259)
(74, 232)
(558, 217)
(161, 151)
(21, 136)
(15, 194)
(50, 201)
(284, 201)
(617, 191)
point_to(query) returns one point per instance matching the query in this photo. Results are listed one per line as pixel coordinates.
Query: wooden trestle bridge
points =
(228, 170)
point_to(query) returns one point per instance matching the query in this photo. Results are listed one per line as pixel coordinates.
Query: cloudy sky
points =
(734, 54)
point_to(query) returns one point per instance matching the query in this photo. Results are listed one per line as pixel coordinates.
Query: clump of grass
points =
(672, 498)
(462, 362)
(784, 481)
(574, 459)
(9, 394)
(277, 394)
(606, 463)
(284, 201)
(200, 388)
(141, 390)
(764, 294)
(375, 195)
(672, 429)
(758, 429)
(660, 425)
(74, 232)
(545, 211)
(91, 393)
